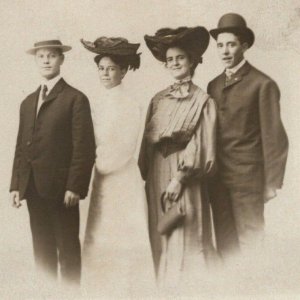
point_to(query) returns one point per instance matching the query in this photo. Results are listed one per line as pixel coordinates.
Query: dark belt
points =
(168, 147)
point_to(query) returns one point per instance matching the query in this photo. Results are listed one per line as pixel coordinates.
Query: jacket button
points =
(28, 143)
(29, 160)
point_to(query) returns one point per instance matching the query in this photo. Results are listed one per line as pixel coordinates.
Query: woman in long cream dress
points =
(116, 251)
(177, 154)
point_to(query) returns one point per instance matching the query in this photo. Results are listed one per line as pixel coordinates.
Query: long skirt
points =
(184, 252)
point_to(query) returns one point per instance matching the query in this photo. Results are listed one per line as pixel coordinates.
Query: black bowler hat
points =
(236, 24)
(193, 39)
(57, 44)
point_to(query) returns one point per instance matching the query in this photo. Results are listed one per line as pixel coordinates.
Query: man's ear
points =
(62, 59)
(245, 47)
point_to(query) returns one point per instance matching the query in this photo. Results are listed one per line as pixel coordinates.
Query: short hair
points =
(240, 36)
(242, 39)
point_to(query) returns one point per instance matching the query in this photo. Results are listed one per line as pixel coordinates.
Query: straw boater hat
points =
(236, 24)
(193, 39)
(57, 44)
(116, 47)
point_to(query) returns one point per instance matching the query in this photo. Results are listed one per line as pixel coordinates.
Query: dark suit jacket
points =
(252, 144)
(57, 145)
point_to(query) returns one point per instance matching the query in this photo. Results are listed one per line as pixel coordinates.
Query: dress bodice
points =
(116, 118)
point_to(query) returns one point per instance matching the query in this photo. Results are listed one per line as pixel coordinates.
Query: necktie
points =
(229, 73)
(44, 92)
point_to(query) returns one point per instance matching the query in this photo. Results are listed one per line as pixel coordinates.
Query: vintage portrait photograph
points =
(150, 149)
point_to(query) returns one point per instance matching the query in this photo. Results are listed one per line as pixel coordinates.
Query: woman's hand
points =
(173, 190)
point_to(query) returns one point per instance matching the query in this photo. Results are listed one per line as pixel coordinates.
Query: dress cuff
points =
(181, 176)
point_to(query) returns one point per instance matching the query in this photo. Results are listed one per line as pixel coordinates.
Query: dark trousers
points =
(238, 218)
(55, 235)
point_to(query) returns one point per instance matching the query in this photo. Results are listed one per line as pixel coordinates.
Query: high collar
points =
(186, 79)
(237, 67)
(180, 89)
(112, 94)
(108, 97)
(115, 90)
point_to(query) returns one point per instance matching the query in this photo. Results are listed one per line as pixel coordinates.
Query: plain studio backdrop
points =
(276, 52)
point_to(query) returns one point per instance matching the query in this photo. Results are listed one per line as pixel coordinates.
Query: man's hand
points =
(71, 199)
(269, 193)
(15, 199)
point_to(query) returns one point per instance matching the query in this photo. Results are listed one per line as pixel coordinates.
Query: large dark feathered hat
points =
(236, 24)
(195, 40)
(114, 47)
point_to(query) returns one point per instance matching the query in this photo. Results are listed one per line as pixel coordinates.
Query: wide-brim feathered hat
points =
(116, 47)
(195, 40)
(236, 24)
(57, 44)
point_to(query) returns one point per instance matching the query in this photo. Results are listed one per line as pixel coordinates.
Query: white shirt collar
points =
(116, 89)
(51, 83)
(112, 93)
(237, 67)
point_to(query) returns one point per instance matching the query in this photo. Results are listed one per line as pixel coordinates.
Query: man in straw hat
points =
(53, 161)
(252, 144)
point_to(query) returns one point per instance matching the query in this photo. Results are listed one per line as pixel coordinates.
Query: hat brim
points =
(63, 48)
(246, 32)
(127, 49)
(196, 39)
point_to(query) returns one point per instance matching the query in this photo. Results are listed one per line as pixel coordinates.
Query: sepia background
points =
(274, 274)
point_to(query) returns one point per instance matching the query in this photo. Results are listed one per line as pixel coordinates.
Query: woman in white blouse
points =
(117, 253)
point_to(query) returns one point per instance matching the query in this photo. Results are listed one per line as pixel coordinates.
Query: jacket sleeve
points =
(83, 147)
(199, 156)
(14, 185)
(144, 156)
(274, 138)
(209, 88)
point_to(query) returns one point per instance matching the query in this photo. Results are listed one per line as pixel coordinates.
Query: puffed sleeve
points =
(199, 157)
(116, 152)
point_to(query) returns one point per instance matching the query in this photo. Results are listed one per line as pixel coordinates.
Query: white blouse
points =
(116, 118)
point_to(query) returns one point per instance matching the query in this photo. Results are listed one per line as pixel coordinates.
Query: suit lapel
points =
(55, 91)
(31, 108)
(238, 76)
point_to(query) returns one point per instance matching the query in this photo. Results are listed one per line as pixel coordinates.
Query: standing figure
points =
(177, 154)
(117, 252)
(53, 162)
(252, 144)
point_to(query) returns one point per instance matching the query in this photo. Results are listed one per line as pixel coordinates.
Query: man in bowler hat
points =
(252, 144)
(53, 161)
